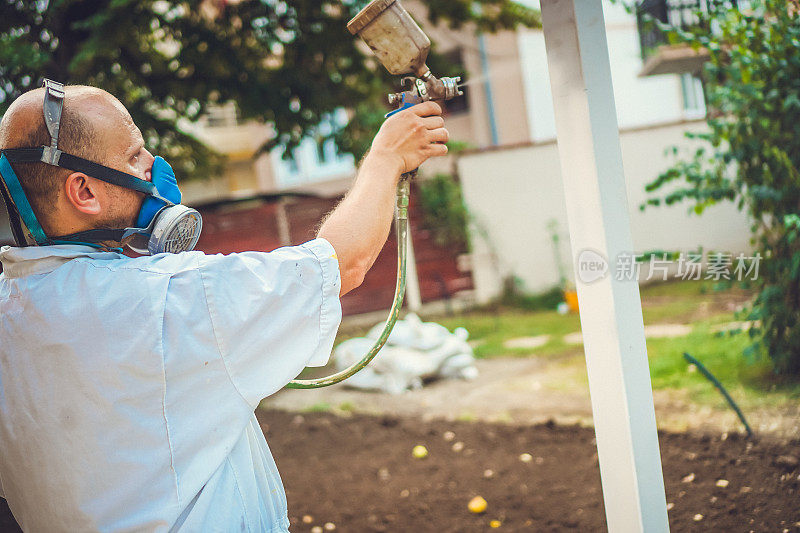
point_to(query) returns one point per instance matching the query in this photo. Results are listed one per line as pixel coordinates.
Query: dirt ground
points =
(358, 473)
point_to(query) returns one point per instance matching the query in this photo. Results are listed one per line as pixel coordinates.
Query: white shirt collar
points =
(24, 261)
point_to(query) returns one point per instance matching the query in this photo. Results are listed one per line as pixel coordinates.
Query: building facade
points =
(513, 188)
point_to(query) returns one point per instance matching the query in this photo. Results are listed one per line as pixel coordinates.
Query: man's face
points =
(125, 151)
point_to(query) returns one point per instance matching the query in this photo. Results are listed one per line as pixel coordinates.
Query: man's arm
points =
(358, 227)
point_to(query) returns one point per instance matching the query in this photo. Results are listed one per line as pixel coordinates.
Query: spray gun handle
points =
(405, 103)
(410, 175)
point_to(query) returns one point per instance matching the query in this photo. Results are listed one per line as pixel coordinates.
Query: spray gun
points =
(402, 47)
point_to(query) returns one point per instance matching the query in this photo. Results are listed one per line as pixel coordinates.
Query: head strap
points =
(13, 216)
(53, 104)
(79, 164)
(21, 205)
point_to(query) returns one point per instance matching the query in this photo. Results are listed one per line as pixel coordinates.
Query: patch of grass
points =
(466, 416)
(747, 381)
(677, 289)
(662, 303)
(503, 418)
(493, 325)
(347, 407)
(495, 328)
(321, 407)
(669, 311)
(542, 301)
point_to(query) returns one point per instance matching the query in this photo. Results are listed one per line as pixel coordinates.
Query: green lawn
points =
(491, 329)
(751, 383)
(681, 303)
(700, 304)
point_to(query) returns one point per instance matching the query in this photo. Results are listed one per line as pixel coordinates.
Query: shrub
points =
(751, 154)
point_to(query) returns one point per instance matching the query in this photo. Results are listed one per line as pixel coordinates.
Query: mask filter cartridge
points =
(174, 229)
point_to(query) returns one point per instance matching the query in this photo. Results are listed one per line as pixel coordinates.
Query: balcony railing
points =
(683, 14)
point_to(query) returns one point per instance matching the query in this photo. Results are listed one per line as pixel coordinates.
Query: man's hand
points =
(412, 136)
(358, 227)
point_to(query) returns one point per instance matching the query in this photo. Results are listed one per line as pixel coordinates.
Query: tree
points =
(284, 62)
(751, 155)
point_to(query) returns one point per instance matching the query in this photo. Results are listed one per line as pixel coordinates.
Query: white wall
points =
(639, 101)
(514, 193)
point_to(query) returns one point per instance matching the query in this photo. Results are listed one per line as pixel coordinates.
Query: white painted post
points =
(610, 309)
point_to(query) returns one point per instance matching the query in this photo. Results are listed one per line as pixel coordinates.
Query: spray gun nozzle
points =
(430, 88)
(451, 89)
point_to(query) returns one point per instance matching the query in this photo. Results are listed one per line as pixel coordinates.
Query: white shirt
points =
(128, 385)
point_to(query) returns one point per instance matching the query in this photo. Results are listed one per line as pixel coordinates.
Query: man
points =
(128, 385)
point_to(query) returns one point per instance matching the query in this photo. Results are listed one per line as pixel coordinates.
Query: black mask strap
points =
(93, 236)
(53, 104)
(79, 164)
(13, 217)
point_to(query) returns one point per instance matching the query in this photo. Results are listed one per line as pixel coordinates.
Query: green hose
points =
(703, 370)
(401, 224)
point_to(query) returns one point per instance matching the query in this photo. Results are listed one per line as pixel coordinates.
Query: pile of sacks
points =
(416, 351)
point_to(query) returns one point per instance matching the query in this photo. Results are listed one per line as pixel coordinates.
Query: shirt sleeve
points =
(273, 313)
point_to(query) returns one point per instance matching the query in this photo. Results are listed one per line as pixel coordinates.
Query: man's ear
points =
(83, 193)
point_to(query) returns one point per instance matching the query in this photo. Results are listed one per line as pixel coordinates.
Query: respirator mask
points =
(162, 224)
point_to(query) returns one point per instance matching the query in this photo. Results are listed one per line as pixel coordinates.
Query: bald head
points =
(87, 117)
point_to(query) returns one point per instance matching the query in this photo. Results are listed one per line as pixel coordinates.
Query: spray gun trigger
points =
(404, 104)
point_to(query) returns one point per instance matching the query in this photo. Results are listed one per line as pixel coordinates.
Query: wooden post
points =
(599, 227)
(282, 218)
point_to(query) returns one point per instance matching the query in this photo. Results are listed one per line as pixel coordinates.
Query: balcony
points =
(658, 56)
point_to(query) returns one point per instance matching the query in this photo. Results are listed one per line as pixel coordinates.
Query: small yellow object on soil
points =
(526, 458)
(488, 473)
(420, 451)
(316, 529)
(688, 479)
(477, 505)
(329, 526)
(449, 435)
(307, 519)
(722, 483)
(458, 446)
(697, 517)
(494, 524)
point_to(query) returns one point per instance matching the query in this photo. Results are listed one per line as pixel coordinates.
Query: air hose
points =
(401, 226)
(402, 47)
(710, 377)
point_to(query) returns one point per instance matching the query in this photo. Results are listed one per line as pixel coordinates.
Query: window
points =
(317, 157)
(220, 116)
(693, 98)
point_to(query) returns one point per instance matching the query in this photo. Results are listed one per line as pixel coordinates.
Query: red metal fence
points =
(254, 225)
